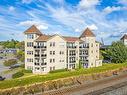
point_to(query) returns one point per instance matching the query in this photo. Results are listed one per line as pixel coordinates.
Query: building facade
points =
(124, 39)
(44, 53)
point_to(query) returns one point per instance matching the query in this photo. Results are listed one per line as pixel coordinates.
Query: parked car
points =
(1, 57)
(2, 78)
(15, 66)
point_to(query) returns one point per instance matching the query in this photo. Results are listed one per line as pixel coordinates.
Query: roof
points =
(43, 38)
(87, 33)
(32, 29)
(71, 39)
(124, 37)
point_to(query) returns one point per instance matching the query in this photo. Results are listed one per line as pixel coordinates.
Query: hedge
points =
(17, 74)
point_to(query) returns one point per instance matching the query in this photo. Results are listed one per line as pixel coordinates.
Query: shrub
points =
(22, 66)
(17, 75)
(27, 71)
(10, 62)
(59, 70)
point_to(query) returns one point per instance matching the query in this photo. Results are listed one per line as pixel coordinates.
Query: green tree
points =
(117, 52)
(20, 45)
(79, 65)
(20, 55)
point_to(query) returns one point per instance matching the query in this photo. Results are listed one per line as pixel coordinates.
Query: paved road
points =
(90, 88)
(2, 67)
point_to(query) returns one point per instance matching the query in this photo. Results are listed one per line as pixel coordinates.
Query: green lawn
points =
(42, 78)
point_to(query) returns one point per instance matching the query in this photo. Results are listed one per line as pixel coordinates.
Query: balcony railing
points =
(83, 46)
(72, 54)
(71, 46)
(72, 61)
(44, 63)
(43, 55)
(80, 54)
(39, 46)
(37, 55)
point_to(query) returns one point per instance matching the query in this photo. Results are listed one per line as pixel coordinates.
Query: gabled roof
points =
(32, 29)
(87, 33)
(124, 37)
(43, 38)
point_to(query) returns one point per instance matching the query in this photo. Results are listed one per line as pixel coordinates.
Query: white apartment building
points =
(124, 39)
(44, 53)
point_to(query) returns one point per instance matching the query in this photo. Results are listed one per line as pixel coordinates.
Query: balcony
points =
(83, 46)
(37, 55)
(72, 54)
(43, 55)
(44, 63)
(40, 47)
(36, 63)
(80, 54)
(71, 46)
(72, 61)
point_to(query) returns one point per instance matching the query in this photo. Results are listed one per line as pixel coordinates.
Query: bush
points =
(27, 71)
(10, 62)
(22, 66)
(59, 70)
(17, 75)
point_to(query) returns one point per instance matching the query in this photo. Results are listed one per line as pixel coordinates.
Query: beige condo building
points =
(44, 53)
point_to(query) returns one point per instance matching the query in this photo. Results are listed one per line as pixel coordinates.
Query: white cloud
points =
(93, 27)
(40, 25)
(77, 30)
(26, 1)
(11, 8)
(109, 9)
(83, 4)
(124, 2)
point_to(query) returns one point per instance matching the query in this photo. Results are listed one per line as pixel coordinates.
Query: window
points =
(52, 44)
(30, 36)
(53, 60)
(53, 67)
(29, 60)
(53, 52)
(29, 44)
(61, 52)
(37, 68)
(50, 52)
(92, 45)
(30, 52)
(50, 60)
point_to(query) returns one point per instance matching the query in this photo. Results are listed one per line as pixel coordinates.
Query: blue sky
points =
(106, 18)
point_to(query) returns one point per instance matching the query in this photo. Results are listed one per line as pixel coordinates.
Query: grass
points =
(42, 78)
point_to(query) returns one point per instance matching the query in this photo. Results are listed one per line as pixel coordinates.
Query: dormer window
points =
(30, 36)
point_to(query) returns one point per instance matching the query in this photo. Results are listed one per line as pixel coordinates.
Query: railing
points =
(83, 46)
(71, 46)
(40, 46)
(72, 54)
(43, 55)
(37, 55)
(44, 63)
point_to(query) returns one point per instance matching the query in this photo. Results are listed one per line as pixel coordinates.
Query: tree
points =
(20, 55)
(117, 52)
(20, 45)
(79, 65)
